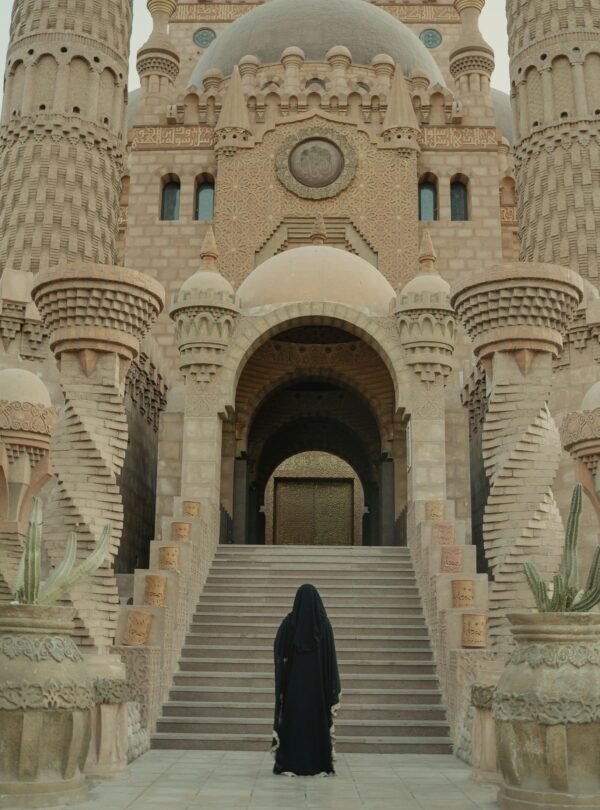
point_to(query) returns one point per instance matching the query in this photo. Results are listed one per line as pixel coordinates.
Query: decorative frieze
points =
(201, 137)
(59, 648)
(51, 695)
(228, 12)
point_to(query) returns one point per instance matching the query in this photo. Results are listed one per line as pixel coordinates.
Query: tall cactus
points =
(566, 596)
(29, 589)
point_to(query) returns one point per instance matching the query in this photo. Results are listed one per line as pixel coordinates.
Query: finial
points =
(427, 254)
(400, 112)
(318, 235)
(209, 252)
(234, 112)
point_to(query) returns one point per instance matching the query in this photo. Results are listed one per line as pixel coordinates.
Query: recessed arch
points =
(374, 333)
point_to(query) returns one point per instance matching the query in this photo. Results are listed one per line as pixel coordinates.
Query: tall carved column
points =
(516, 316)
(95, 316)
(580, 434)
(62, 132)
(205, 311)
(554, 50)
(427, 329)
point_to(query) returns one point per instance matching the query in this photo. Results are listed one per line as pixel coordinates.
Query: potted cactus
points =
(547, 703)
(45, 692)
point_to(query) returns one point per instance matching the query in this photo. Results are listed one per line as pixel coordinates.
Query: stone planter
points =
(547, 712)
(46, 699)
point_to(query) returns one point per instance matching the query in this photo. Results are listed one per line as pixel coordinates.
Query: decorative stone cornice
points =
(519, 306)
(555, 656)
(51, 695)
(546, 709)
(58, 648)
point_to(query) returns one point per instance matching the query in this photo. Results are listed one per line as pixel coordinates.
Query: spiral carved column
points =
(516, 315)
(95, 315)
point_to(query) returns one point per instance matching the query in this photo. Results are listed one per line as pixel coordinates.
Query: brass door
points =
(313, 511)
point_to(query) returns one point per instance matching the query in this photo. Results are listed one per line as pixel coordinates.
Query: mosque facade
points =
(316, 282)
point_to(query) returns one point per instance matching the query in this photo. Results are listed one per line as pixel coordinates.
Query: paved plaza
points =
(239, 780)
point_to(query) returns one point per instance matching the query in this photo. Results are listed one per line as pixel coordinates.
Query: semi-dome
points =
(317, 273)
(20, 385)
(316, 26)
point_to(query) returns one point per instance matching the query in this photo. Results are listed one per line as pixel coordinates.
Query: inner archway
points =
(317, 495)
(315, 389)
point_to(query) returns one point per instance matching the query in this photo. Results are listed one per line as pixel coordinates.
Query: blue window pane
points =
(459, 202)
(170, 201)
(427, 202)
(205, 201)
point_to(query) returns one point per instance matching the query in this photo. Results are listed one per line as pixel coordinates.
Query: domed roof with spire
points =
(316, 26)
(207, 279)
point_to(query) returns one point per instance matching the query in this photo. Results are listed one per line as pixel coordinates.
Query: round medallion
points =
(203, 37)
(431, 38)
(316, 163)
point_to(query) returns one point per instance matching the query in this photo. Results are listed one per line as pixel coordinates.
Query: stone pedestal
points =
(46, 698)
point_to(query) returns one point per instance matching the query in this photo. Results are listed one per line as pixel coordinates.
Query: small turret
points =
(400, 127)
(472, 61)
(233, 126)
(425, 318)
(204, 310)
(157, 63)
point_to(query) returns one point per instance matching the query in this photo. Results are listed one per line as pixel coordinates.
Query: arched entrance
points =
(315, 389)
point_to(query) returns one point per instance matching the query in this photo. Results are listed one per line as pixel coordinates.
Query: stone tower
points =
(62, 132)
(555, 77)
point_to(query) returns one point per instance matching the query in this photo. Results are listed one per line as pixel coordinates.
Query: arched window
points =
(171, 192)
(459, 199)
(428, 198)
(205, 198)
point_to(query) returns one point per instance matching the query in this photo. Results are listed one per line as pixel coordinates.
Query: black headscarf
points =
(308, 619)
(307, 687)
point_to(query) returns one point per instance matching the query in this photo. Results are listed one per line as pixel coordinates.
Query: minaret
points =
(157, 65)
(62, 132)
(554, 67)
(472, 65)
(233, 126)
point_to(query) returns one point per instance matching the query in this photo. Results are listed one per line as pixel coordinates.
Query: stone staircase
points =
(223, 693)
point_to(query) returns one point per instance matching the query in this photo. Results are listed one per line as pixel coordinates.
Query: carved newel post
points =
(205, 312)
(427, 328)
(95, 316)
(516, 315)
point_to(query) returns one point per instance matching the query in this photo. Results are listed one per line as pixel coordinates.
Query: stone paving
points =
(232, 780)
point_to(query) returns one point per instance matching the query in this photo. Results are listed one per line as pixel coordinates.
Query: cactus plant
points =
(29, 589)
(566, 595)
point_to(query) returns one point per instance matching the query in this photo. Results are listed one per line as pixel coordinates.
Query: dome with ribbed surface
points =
(316, 26)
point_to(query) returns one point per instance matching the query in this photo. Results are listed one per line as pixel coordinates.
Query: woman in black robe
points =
(307, 688)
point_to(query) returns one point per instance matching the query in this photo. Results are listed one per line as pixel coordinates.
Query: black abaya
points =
(307, 688)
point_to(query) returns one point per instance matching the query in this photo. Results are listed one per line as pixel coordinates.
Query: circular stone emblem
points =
(204, 36)
(316, 163)
(431, 38)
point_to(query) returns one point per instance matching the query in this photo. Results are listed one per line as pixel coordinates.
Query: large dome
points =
(317, 273)
(316, 26)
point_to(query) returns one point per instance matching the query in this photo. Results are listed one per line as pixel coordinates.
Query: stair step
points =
(344, 728)
(199, 666)
(346, 619)
(265, 679)
(342, 638)
(346, 655)
(225, 709)
(261, 742)
(352, 696)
